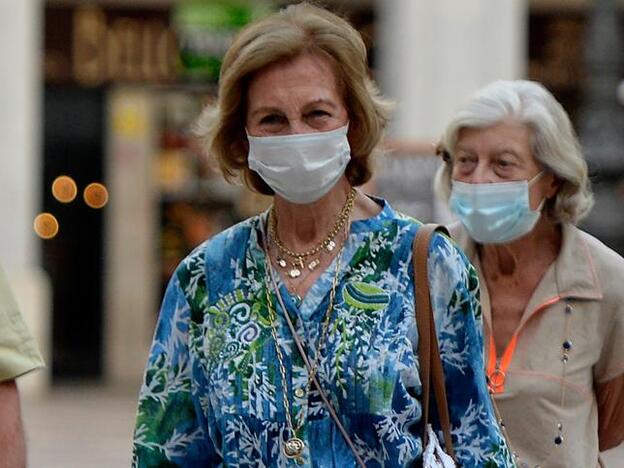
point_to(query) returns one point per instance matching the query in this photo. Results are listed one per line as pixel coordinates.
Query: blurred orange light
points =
(64, 189)
(46, 226)
(95, 195)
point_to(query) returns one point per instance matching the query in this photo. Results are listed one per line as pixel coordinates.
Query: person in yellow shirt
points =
(19, 355)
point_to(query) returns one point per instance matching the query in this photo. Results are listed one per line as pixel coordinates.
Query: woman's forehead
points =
(506, 134)
(308, 75)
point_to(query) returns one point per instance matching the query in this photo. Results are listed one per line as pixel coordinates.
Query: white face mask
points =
(300, 168)
(495, 213)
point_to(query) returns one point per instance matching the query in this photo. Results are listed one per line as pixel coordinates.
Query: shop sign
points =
(123, 49)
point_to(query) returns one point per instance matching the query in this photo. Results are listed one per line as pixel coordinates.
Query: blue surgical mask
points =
(301, 168)
(495, 213)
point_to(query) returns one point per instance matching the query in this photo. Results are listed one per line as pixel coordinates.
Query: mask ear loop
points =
(535, 178)
(531, 182)
(540, 207)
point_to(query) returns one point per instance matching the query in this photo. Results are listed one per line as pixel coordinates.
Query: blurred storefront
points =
(123, 83)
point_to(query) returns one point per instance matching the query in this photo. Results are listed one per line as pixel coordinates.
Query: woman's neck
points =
(302, 226)
(541, 246)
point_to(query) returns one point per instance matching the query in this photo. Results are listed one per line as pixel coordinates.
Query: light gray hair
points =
(553, 140)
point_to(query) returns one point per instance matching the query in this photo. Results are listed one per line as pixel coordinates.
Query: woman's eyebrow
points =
(326, 102)
(506, 150)
(265, 110)
(465, 149)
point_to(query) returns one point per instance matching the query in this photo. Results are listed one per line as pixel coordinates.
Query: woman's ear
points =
(554, 184)
(442, 152)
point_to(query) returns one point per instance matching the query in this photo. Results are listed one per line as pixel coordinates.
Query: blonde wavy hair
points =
(297, 29)
(554, 142)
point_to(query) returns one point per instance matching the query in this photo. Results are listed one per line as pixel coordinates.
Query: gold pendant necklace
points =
(294, 446)
(299, 260)
(295, 271)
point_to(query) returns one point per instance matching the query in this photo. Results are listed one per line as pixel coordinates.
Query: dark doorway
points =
(73, 146)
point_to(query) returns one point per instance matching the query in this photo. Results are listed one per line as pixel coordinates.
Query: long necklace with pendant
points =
(309, 259)
(294, 446)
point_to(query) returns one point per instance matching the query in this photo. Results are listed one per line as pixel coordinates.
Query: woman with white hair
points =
(551, 294)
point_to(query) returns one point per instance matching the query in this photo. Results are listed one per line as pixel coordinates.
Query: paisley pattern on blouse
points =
(213, 394)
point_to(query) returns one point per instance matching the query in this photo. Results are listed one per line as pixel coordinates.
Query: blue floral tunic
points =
(213, 394)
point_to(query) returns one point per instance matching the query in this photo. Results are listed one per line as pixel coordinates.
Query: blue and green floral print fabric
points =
(213, 394)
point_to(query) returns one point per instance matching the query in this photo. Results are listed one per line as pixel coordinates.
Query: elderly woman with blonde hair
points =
(551, 294)
(290, 338)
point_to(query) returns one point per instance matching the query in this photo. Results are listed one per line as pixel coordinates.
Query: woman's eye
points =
(272, 119)
(318, 113)
(464, 160)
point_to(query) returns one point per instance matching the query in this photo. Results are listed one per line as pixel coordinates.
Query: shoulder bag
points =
(431, 371)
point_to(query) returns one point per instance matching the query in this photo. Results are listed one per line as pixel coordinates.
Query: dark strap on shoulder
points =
(428, 351)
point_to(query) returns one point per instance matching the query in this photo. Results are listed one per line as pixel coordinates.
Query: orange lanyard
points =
(497, 368)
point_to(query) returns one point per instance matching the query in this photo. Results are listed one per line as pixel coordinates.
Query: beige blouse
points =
(576, 315)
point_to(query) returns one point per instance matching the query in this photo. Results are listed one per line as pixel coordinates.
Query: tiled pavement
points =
(80, 427)
(83, 426)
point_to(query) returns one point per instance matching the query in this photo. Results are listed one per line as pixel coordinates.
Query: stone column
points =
(433, 54)
(20, 131)
(130, 305)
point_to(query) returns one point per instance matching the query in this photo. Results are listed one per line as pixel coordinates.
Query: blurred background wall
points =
(103, 94)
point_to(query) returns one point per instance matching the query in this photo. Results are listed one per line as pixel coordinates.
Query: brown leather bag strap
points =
(428, 350)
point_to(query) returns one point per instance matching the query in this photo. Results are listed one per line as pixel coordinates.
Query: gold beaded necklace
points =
(299, 260)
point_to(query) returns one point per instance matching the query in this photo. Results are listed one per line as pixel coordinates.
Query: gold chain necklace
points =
(328, 243)
(293, 447)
